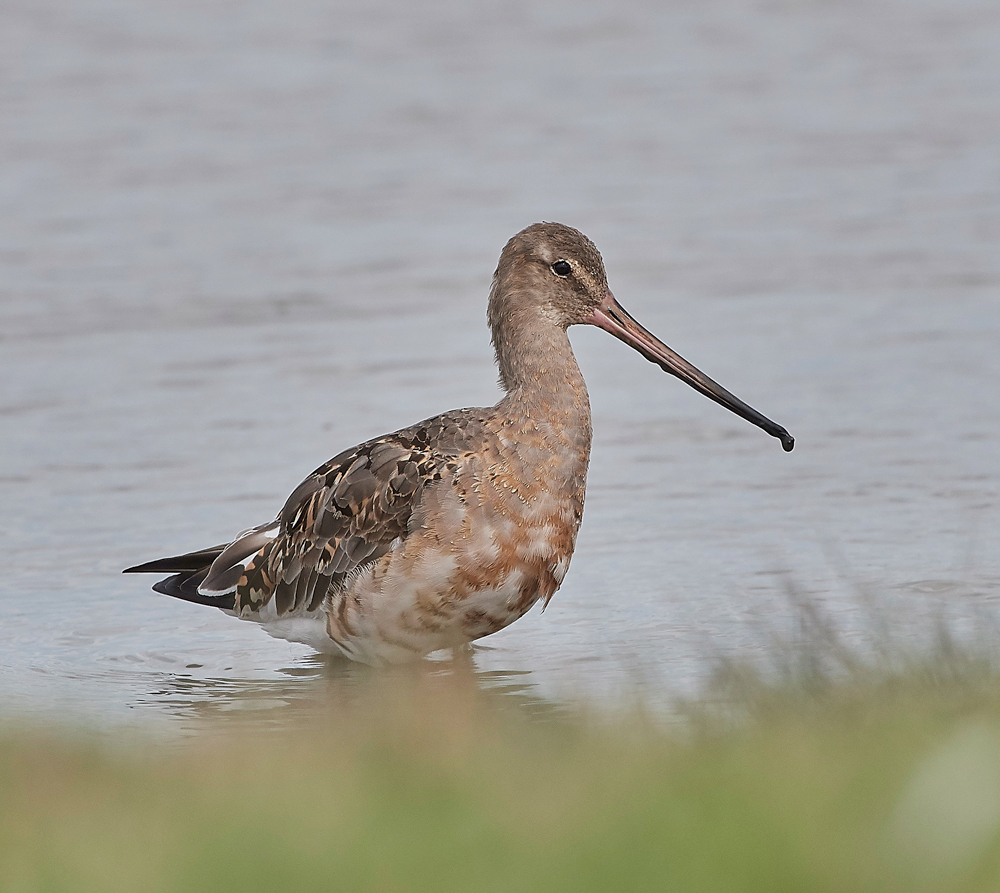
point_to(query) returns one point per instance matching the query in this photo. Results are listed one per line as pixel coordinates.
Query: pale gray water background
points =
(236, 238)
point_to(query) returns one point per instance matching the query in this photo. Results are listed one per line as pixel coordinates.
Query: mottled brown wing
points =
(346, 514)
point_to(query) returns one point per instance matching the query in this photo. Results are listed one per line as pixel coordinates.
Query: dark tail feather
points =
(190, 562)
(185, 586)
(192, 569)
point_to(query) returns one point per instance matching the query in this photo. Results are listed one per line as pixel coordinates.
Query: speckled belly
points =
(408, 606)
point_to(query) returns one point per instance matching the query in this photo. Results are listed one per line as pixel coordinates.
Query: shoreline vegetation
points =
(821, 772)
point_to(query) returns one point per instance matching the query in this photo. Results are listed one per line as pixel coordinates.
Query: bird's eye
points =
(561, 268)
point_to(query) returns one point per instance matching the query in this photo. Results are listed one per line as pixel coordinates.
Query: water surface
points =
(238, 238)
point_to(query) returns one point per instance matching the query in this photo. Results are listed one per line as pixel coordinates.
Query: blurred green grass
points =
(863, 780)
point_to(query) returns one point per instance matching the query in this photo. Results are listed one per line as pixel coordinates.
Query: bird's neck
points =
(545, 388)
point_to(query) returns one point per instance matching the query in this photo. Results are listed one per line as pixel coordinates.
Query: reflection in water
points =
(323, 687)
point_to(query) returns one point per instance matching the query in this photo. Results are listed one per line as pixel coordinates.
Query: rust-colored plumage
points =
(449, 530)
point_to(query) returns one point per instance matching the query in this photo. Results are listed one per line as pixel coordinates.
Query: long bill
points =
(613, 318)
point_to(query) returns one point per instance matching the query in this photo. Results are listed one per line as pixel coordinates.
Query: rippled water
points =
(238, 238)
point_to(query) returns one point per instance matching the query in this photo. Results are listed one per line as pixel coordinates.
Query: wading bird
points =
(449, 530)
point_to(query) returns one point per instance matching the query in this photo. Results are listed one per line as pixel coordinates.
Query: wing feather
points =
(347, 514)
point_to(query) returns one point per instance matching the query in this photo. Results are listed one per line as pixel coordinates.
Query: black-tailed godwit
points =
(451, 529)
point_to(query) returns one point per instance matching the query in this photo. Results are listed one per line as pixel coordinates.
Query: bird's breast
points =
(485, 544)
